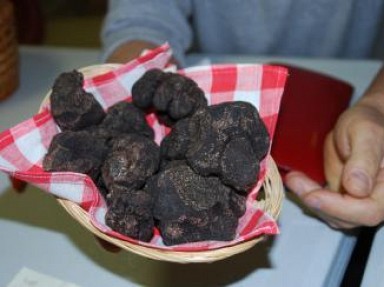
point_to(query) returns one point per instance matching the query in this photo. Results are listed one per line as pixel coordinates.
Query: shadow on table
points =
(17, 207)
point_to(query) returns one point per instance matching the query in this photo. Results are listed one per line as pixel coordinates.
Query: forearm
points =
(131, 50)
(128, 51)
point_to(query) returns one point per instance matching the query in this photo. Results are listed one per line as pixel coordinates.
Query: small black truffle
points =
(130, 213)
(132, 159)
(71, 106)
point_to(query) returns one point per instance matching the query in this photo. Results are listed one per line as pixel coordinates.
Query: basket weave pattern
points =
(8, 50)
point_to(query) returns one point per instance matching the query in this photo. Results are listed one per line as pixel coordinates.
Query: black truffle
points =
(200, 208)
(124, 117)
(71, 106)
(144, 88)
(132, 159)
(77, 152)
(130, 213)
(173, 96)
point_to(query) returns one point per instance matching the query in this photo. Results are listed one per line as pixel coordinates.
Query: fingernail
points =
(313, 202)
(360, 181)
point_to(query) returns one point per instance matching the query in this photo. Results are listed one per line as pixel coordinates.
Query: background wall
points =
(60, 22)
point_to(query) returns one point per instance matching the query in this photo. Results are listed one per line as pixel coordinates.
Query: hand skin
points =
(354, 166)
(131, 50)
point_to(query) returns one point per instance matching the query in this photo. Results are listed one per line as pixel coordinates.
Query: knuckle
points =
(371, 128)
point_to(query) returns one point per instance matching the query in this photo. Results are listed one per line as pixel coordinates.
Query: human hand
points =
(131, 50)
(354, 168)
(107, 246)
(17, 184)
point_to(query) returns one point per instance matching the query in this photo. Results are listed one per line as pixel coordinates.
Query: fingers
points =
(17, 184)
(299, 183)
(363, 164)
(333, 164)
(107, 246)
(337, 209)
(343, 210)
(358, 138)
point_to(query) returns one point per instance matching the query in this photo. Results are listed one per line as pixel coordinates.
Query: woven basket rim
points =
(272, 204)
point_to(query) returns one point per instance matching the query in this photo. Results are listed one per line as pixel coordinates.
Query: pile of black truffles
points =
(193, 187)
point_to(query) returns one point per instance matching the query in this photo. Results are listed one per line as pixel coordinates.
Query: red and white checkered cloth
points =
(22, 148)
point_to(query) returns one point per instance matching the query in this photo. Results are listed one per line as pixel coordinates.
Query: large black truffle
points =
(190, 207)
(227, 140)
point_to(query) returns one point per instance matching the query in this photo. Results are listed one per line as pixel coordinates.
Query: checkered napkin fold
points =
(22, 147)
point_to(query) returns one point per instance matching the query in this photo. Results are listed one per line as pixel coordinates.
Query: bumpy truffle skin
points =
(124, 117)
(237, 118)
(190, 207)
(178, 96)
(173, 96)
(229, 132)
(77, 152)
(217, 223)
(130, 213)
(132, 159)
(71, 106)
(144, 88)
(176, 144)
(239, 165)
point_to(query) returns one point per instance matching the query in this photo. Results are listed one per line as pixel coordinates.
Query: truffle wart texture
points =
(130, 213)
(172, 95)
(131, 160)
(124, 117)
(190, 207)
(144, 88)
(72, 107)
(227, 140)
(77, 151)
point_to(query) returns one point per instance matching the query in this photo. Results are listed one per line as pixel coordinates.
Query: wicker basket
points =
(9, 73)
(271, 203)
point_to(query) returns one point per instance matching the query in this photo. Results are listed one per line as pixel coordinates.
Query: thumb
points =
(363, 163)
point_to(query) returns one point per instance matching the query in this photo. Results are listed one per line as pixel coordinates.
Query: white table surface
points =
(374, 275)
(37, 233)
